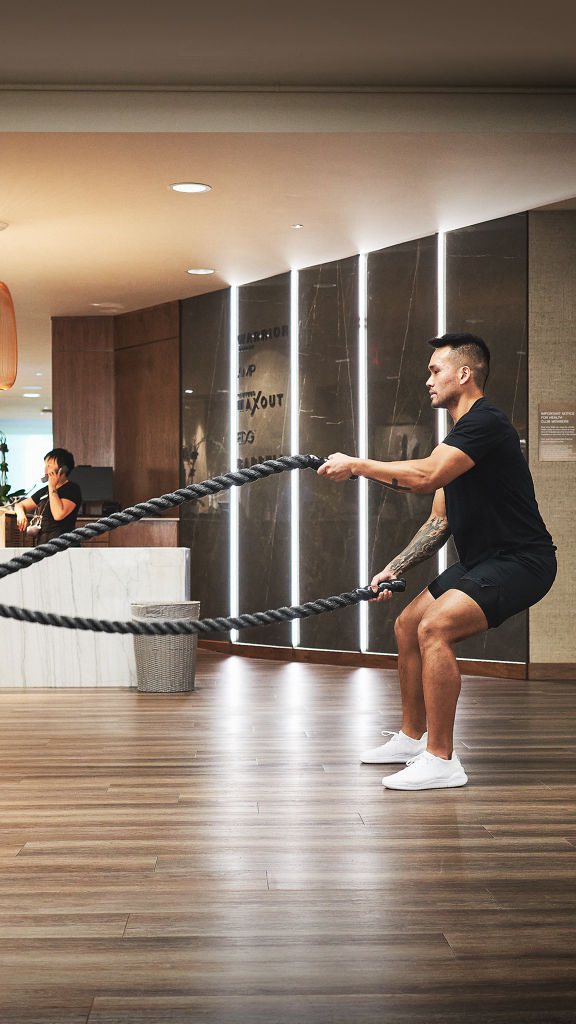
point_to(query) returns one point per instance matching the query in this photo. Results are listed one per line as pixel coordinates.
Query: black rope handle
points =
(176, 627)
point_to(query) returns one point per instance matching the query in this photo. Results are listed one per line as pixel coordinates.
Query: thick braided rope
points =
(177, 627)
(154, 505)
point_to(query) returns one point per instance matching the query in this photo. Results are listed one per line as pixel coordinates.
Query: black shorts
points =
(502, 586)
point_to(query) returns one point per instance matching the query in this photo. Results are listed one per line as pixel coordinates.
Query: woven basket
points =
(165, 664)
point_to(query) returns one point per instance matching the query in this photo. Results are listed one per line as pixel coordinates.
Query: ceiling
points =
(519, 43)
(368, 125)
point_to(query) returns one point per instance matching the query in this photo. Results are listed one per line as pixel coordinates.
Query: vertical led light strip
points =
(234, 494)
(363, 442)
(294, 446)
(441, 415)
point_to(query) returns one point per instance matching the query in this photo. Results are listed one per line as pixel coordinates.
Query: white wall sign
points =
(557, 432)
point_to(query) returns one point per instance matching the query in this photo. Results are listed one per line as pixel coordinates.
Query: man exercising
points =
(484, 497)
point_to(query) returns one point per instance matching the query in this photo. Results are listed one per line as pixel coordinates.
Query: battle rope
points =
(136, 512)
(172, 627)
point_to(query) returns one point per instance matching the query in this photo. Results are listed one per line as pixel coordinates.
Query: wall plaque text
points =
(557, 432)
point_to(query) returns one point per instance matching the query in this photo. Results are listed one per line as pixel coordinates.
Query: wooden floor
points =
(222, 857)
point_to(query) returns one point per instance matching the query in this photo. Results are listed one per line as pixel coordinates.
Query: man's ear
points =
(465, 374)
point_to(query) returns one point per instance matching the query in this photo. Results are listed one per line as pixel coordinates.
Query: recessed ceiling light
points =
(297, 226)
(190, 186)
(200, 270)
(39, 373)
(28, 394)
(188, 391)
(107, 307)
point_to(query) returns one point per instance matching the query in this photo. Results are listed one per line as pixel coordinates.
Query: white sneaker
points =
(398, 750)
(426, 771)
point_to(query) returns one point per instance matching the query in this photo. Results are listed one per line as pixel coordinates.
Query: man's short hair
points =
(63, 457)
(474, 350)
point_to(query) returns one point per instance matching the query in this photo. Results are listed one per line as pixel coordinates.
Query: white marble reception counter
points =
(97, 583)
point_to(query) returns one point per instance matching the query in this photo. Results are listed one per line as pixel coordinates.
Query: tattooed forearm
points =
(430, 538)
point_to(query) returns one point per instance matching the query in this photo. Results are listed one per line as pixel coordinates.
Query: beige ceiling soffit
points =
(254, 110)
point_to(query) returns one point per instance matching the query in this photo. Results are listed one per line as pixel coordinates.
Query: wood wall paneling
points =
(121, 409)
(10, 536)
(144, 326)
(552, 670)
(147, 422)
(148, 533)
(83, 388)
(355, 659)
(88, 333)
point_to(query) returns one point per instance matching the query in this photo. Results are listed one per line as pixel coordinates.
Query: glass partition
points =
(402, 316)
(486, 281)
(486, 293)
(204, 524)
(264, 433)
(328, 313)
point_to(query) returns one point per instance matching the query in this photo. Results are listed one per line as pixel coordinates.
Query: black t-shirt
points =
(55, 527)
(492, 508)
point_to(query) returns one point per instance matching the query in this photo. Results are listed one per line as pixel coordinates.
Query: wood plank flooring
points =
(222, 857)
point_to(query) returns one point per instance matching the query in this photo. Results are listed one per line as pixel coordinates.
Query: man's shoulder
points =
(484, 407)
(38, 495)
(71, 491)
(485, 414)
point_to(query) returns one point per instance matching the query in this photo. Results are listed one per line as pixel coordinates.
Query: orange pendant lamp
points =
(8, 343)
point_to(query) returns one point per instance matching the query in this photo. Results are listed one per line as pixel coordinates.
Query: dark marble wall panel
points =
(486, 293)
(205, 452)
(328, 308)
(264, 432)
(402, 316)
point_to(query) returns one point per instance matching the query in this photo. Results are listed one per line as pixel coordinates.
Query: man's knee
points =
(406, 626)
(431, 629)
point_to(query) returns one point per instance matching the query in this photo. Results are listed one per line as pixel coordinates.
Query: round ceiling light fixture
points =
(201, 270)
(190, 186)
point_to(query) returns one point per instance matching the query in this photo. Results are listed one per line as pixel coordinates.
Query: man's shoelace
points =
(418, 757)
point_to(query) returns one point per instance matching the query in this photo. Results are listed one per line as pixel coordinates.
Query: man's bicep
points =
(67, 508)
(446, 463)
